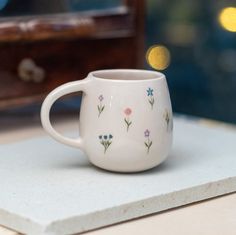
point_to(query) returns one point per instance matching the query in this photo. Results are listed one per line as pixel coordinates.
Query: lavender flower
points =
(100, 98)
(148, 142)
(146, 133)
(100, 106)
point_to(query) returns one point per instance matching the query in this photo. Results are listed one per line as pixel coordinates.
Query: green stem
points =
(128, 124)
(100, 109)
(106, 145)
(151, 101)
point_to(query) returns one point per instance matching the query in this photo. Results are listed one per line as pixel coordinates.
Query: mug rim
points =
(141, 75)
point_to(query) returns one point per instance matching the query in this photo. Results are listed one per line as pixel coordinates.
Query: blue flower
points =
(105, 137)
(150, 92)
(110, 136)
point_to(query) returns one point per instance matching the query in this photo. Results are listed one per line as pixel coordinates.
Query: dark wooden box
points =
(66, 47)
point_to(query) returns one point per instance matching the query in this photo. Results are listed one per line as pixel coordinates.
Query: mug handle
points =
(62, 90)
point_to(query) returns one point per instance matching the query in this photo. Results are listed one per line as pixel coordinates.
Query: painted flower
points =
(127, 112)
(146, 133)
(101, 98)
(106, 141)
(100, 106)
(150, 92)
(151, 99)
(148, 142)
(168, 119)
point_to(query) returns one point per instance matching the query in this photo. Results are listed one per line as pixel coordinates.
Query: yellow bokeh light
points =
(158, 57)
(227, 18)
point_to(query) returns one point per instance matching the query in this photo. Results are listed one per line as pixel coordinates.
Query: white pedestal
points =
(48, 188)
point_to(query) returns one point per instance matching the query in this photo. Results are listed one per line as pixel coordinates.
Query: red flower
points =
(128, 111)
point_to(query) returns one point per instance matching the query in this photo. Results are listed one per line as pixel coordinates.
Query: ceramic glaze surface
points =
(125, 119)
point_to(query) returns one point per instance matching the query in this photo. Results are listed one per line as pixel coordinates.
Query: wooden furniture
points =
(38, 53)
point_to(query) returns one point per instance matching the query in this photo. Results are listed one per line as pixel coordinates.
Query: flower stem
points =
(151, 101)
(128, 123)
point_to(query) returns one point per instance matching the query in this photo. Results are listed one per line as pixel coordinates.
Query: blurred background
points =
(200, 37)
(192, 42)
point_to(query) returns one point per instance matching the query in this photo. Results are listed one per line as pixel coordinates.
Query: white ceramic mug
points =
(125, 120)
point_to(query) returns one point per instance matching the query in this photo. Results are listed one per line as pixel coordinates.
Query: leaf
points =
(126, 121)
(151, 101)
(98, 108)
(146, 144)
(102, 108)
(150, 144)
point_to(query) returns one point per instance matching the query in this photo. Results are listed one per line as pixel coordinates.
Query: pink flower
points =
(128, 111)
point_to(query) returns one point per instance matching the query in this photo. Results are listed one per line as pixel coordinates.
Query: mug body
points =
(126, 119)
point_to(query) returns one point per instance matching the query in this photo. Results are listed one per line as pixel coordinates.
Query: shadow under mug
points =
(125, 122)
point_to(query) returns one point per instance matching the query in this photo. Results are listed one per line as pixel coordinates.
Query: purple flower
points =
(101, 98)
(147, 133)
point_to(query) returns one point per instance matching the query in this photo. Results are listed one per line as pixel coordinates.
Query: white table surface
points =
(215, 216)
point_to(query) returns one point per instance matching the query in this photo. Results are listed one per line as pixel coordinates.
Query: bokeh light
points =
(158, 57)
(227, 18)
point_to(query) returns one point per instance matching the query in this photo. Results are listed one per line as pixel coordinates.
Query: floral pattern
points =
(168, 119)
(100, 106)
(127, 113)
(148, 142)
(151, 99)
(106, 141)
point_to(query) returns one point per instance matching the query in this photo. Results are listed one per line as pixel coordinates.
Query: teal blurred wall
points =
(202, 71)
